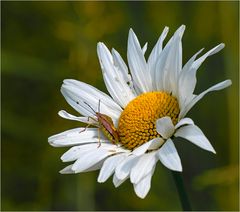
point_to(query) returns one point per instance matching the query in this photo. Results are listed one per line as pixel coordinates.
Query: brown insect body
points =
(106, 125)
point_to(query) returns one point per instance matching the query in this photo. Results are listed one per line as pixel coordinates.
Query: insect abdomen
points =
(107, 134)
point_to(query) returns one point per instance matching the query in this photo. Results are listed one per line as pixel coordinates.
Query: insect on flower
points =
(105, 124)
(149, 98)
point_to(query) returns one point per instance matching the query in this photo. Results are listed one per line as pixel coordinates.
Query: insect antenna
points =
(86, 108)
(92, 110)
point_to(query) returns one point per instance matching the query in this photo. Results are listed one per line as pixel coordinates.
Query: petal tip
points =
(180, 169)
(61, 113)
(99, 180)
(222, 45)
(63, 88)
(166, 28)
(229, 82)
(181, 30)
(99, 46)
(175, 168)
(66, 81)
(183, 27)
(63, 159)
(213, 151)
(50, 141)
(132, 35)
(141, 196)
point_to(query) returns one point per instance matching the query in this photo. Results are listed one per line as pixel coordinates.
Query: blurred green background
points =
(46, 42)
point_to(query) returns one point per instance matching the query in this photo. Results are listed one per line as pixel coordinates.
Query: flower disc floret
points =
(137, 123)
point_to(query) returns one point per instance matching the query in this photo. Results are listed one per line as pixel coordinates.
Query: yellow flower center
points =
(137, 123)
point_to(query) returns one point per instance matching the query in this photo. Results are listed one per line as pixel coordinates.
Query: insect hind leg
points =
(84, 129)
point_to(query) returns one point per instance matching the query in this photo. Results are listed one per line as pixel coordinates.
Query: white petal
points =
(216, 87)
(189, 63)
(142, 188)
(144, 49)
(187, 82)
(196, 136)
(173, 63)
(184, 121)
(117, 182)
(143, 167)
(83, 119)
(152, 144)
(77, 151)
(95, 167)
(74, 101)
(124, 168)
(137, 64)
(169, 157)
(66, 115)
(156, 145)
(109, 166)
(113, 77)
(214, 50)
(89, 159)
(79, 96)
(187, 79)
(169, 64)
(152, 60)
(94, 92)
(68, 169)
(75, 137)
(118, 62)
(165, 127)
(116, 148)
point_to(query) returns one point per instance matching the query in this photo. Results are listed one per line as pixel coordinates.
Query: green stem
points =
(177, 176)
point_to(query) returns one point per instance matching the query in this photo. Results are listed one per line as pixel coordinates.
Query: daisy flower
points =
(134, 127)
